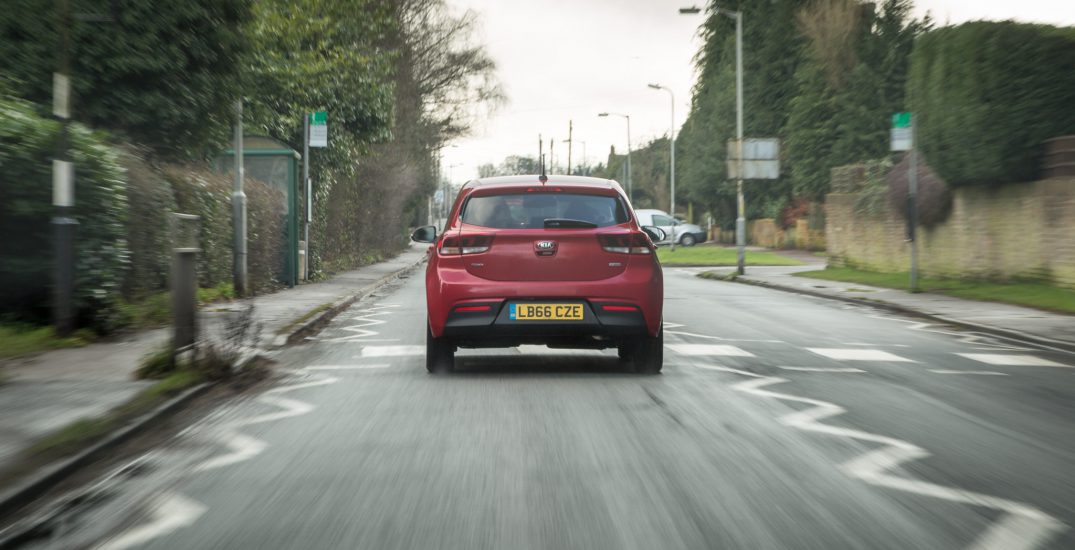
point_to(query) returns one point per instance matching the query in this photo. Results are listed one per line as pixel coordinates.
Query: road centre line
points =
(723, 339)
(823, 369)
(854, 354)
(978, 372)
(1012, 360)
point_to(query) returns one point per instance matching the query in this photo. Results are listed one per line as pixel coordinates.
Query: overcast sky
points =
(561, 60)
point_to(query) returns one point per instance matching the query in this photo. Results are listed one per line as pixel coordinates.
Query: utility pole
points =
(63, 184)
(552, 156)
(570, 129)
(541, 153)
(238, 207)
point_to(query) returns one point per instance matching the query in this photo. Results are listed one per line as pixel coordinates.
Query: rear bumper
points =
(604, 324)
(447, 288)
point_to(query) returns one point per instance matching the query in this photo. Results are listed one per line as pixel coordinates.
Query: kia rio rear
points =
(561, 262)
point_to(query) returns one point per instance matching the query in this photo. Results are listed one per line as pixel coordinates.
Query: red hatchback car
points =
(561, 262)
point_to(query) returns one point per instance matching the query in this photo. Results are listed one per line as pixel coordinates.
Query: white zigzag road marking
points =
(171, 512)
(360, 331)
(963, 337)
(244, 447)
(1021, 528)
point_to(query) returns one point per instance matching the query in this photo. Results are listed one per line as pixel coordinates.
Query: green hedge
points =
(27, 145)
(987, 94)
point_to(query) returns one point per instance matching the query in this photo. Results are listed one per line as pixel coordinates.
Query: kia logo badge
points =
(545, 248)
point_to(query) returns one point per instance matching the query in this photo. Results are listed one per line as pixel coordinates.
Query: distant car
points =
(686, 234)
(562, 262)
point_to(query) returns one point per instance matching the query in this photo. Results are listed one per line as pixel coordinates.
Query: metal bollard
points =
(184, 282)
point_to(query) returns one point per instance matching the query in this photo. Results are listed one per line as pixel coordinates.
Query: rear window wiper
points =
(567, 223)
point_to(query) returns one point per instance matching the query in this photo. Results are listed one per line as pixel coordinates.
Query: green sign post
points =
(903, 139)
(319, 129)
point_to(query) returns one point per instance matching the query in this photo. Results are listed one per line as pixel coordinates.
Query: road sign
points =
(902, 132)
(761, 159)
(319, 129)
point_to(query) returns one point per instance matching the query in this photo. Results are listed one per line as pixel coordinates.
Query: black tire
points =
(624, 352)
(648, 354)
(440, 354)
(687, 240)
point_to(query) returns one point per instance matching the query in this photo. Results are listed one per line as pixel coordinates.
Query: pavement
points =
(780, 420)
(45, 392)
(1002, 319)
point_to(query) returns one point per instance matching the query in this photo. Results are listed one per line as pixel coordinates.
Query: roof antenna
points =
(543, 178)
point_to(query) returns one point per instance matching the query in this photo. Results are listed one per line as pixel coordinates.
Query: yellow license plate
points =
(546, 312)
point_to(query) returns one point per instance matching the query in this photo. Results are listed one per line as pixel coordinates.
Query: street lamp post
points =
(672, 159)
(740, 220)
(630, 194)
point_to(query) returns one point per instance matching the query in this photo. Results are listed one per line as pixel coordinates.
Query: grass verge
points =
(717, 256)
(1036, 295)
(17, 340)
(81, 433)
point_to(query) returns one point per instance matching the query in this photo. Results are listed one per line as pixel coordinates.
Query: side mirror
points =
(425, 234)
(656, 234)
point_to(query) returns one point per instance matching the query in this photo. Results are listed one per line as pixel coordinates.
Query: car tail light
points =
(473, 309)
(465, 244)
(608, 307)
(626, 243)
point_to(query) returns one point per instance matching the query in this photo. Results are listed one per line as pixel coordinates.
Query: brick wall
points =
(1018, 231)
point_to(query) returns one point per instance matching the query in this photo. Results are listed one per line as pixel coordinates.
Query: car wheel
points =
(440, 354)
(687, 240)
(648, 354)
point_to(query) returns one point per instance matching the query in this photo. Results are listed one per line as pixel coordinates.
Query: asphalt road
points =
(780, 421)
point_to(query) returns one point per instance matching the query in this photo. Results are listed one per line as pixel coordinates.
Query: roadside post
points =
(184, 282)
(314, 134)
(903, 139)
(238, 205)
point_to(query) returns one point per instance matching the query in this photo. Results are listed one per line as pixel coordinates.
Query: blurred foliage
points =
(149, 221)
(27, 143)
(987, 94)
(824, 76)
(161, 73)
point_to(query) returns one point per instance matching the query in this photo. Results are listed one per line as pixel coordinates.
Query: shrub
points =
(208, 195)
(986, 94)
(148, 226)
(27, 144)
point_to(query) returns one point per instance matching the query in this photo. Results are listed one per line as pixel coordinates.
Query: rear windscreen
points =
(530, 210)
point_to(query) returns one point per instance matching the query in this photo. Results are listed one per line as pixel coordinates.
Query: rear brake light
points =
(472, 309)
(465, 244)
(619, 308)
(626, 243)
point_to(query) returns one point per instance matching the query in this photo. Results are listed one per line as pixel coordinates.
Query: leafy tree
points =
(163, 73)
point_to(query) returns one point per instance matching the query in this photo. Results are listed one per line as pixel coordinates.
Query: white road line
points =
(1012, 360)
(1021, 528)
(854, 354)
(864, 344)
(978, 372)
(823, 369)
(707, 349)
(722, 339)
(170, 512)
(346, 367)
(243, 448)
(392, 351)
